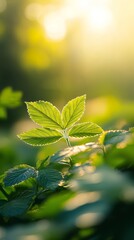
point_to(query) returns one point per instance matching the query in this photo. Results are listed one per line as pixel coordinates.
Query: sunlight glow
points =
(94, 15)
(33, 11)
(89, 219)
(100, 18)
(55, 26)
(3, 5)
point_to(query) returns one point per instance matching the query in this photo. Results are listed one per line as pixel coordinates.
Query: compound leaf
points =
(45, 114)
(73, 111)
(86, 129)
(40, 136)
(19, 174)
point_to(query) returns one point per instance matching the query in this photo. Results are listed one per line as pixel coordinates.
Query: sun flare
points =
(100, 18)
(95, 15)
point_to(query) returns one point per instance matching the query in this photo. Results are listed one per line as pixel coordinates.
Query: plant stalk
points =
(3, 191)
(66, 137)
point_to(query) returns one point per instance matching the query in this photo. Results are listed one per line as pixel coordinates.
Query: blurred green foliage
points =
(100, 62)
(96, 198)
(9, 99)
(87, 199)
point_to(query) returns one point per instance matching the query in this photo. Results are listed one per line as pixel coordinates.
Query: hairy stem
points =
(66, 137)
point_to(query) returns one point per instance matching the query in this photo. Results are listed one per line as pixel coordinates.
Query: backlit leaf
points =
(73, 111)
(113, 137)
(45, 114)
(87, 129)
(72, 151)
(40, 136)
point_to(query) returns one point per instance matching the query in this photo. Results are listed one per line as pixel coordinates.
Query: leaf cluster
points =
(55, 125)
(81, 192)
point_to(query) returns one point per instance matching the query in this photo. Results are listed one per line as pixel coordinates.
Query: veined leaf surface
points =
(16, 206)
(49, 178)
(113, 137)
(45, 114)
(72, 151)
(19, 174)
(86, 129)
(40, 136)
(73, 111)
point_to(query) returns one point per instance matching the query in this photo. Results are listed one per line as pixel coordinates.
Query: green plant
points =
(9, 99)
(80, 191)
(55, 126)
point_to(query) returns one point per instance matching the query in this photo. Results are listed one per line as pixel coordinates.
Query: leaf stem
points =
(3, 191)
(66, 137)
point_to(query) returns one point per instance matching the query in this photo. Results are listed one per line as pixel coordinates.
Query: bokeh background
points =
(52, 49)
(55, 50)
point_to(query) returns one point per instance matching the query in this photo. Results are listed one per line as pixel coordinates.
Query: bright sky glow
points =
(100, 18)
(96, 16)
(33, 11)
(55, 26)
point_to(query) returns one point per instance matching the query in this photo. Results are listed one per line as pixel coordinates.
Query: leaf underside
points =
(72, 151)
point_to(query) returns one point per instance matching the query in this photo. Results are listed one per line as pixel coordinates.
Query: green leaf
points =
(72, 151)
(113, 137)
(19, 174)
(131, 129)
(49, 178)
(86, 129)
(73, 111)
(52, 206)
(45, 114)
(3, 113)
(16, 206)
(40, 136)
(10, 98)
(41, 163)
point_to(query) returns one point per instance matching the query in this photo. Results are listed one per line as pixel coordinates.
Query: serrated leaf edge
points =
(48, 117)
(38, 145)
(97, 134)
(19, 167)
(81, 114)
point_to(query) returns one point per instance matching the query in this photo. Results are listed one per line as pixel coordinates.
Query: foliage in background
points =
(80, 192)
(9, 99)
